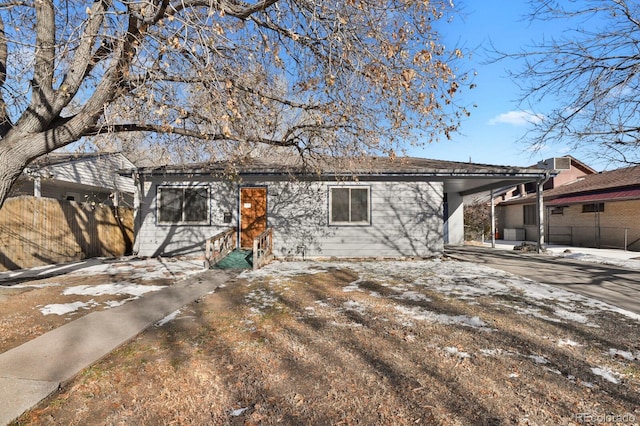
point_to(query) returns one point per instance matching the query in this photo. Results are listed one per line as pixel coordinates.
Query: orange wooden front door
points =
(253, 214)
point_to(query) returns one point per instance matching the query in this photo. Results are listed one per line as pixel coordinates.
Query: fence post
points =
(571, 235)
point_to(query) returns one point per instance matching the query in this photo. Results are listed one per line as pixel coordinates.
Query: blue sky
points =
(491, 135)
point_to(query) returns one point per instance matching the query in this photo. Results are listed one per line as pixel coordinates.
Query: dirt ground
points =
(32, 307)
(435, 342)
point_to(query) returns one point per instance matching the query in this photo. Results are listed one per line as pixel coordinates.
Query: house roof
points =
(87, 170)
(465, 178)
(55, 158)
(623, 194)
(616, 184)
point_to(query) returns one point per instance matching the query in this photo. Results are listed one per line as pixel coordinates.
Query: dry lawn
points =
(434, 342)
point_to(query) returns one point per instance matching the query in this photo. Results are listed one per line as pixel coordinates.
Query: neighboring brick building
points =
(598, 210)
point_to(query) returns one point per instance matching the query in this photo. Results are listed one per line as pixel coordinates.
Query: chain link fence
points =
(602, 237)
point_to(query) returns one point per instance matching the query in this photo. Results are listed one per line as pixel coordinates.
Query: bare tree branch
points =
(5, 123)
(591, 73)
(219, 78)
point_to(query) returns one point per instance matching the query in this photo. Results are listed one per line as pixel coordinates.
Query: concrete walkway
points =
(34, 370)
(616, 285)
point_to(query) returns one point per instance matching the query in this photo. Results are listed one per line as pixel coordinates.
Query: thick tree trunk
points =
(16, 152)
(11, 166)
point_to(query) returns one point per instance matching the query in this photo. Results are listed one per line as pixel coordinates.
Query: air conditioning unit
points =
(555, 163)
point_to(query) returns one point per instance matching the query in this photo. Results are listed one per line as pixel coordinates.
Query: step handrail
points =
(263, 248)
(218, 246)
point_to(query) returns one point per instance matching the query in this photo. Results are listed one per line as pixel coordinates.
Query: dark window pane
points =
(359, 205)
(170, 209)
(339, 204)
(592, 208)
(530, 214)
(196, 202)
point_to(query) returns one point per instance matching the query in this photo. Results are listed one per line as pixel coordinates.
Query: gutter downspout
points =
(138, 179)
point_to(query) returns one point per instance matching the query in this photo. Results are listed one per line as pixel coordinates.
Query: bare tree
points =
(318, 77)
(590, 73)
(477, 221)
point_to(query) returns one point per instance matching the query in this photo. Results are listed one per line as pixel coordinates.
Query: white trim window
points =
(187, 205)
(349, 205)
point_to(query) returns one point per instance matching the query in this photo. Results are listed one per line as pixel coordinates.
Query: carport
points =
(482, 179)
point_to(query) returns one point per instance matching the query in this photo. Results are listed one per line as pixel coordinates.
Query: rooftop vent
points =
(556, 163)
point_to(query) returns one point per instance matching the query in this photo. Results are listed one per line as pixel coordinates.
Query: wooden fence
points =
(43, 231)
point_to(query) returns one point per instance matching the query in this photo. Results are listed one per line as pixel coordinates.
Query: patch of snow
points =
(145, 269)
(568, 342)
(413, 296)
(353, 286)
(453, 351)
(66, 308)
(168, 318)
(420, 314)
(352, 305)
(111, 289)
(606, 373)
(534, 312)
(286, 270)
(623, 354)
(115, 303)
(594, 258)
(538, 359)
(238, 412)
(571, 316)
(260, 299)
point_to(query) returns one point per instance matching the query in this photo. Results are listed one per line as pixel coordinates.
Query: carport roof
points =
(615, 185)
(464, 178)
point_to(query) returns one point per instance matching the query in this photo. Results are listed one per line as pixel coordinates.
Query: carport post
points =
(493, 221)
(540, 218)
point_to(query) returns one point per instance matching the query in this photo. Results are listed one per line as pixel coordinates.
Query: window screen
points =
(183, 205)
(349, 205)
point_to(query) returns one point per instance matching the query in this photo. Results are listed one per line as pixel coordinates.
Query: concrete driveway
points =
(615, 285)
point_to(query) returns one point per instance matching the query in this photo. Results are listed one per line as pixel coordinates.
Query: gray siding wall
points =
(88, 179)
(96, 172)
(406, 220)
(154, 239)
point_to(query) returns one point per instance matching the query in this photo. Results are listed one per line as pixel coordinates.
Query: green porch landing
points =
(237, 259)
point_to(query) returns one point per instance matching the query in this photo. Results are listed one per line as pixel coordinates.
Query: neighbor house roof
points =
(56, 158)
(458, 177)
(617, 184)
(97, 170)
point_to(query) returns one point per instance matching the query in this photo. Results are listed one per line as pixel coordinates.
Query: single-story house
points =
(385, 208)
(597, 210)
(88, 177)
